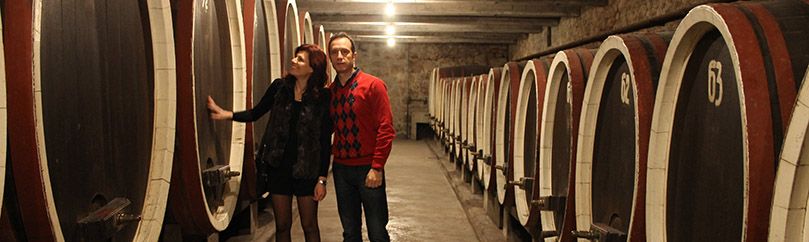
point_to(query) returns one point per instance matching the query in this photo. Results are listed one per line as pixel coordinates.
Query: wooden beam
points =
(428, 27)
(571, 2)
(504, 36)
(432, 39)
(537, 9)
(378, 19)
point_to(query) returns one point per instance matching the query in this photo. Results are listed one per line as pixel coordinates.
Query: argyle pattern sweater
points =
(363, 123)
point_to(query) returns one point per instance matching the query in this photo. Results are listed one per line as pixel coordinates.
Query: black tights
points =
(307, 208)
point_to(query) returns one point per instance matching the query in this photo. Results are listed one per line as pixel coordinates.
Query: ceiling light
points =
(390, 10)
(391, 42)
(390, 30)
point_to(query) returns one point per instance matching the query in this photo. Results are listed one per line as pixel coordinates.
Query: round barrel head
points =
(614, 151)
(706, 162)
(97, 107)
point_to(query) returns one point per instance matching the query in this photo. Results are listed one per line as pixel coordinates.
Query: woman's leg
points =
(282, 208)
(307, 207)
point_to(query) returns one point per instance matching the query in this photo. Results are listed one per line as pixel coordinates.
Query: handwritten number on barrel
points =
(626, 84)
(715, 82)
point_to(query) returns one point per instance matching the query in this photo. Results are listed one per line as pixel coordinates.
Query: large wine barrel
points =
(263, 66)
(445, 110)
(725, 94)
(504, 135)
(291, 34)
(527, 123)
(480, 141)
(614, 135)
(558, 134)
(321, 40)
(469, 116)
(788, 215)
(457, 125)
(489, 115)
(6, 233)
(463, 124)
(453, 119)
(307, 30)
(209, 154)
(94, 115)
(432, 100)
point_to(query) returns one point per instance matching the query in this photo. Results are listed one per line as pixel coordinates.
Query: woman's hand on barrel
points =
(320, 189)
(217, 113)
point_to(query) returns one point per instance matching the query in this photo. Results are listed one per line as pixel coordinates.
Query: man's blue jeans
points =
(353, 197)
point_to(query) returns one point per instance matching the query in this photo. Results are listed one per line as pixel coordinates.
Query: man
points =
(363, 134)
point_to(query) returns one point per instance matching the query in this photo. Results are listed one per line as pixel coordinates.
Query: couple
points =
(296, 145)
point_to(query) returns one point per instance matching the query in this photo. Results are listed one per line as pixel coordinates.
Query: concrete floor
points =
(422, 202)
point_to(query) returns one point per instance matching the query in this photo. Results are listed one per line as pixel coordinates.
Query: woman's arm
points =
(261, 108)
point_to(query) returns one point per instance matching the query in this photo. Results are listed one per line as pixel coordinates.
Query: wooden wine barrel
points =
(483, 84)
(489, 114)
(527, 123)
(558, 134)
(263, 66)
(307, 30)
(93, 105)
(469, 116)
(431, 100)
(321, 40)
(209, 154)
(445, 110)
(457, 126)
(615, 121)
(504, 135)
(291, 34)
(6, 232)
(463, 124)
(788, 215)
(721, 108)
(443, 114)
(453, 119)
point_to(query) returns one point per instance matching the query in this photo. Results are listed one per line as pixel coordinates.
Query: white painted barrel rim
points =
(523, 206)
(487, 123)
(788, 217)
(502, 104)
(559, 67)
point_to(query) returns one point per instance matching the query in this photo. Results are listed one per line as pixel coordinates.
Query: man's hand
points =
(320, 190)
(373, 179)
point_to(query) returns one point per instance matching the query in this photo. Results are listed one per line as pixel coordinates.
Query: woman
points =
(296, 143)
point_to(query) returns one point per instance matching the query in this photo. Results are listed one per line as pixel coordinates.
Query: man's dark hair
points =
(343, 35)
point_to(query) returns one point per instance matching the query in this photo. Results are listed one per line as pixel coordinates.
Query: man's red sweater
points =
(363, 123)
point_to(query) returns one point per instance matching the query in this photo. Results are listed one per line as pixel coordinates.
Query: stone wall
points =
(406, 69)
(594, 20)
